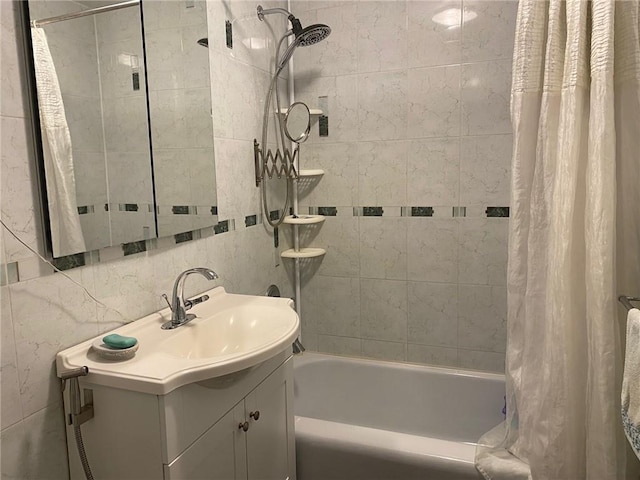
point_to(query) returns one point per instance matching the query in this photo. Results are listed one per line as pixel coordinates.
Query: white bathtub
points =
(371, 420)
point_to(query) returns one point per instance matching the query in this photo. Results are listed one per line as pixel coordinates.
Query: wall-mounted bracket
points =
(78, 413)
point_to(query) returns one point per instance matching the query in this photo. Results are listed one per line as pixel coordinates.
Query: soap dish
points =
(109, 353)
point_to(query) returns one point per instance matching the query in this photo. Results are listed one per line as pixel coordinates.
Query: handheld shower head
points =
(304, 37)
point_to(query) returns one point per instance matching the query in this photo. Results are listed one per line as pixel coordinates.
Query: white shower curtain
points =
(66, 232)
(574, 241)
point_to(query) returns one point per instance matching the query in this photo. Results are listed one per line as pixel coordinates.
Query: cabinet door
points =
(219, 454)
(270, 438)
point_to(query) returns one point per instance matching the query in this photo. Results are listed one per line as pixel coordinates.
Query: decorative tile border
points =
(134, 247)
(32, 268)
(496, 212)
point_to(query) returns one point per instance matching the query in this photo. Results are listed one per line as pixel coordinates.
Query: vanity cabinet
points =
(236, 427)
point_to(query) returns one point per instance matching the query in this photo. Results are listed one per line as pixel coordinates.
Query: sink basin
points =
(230, 333)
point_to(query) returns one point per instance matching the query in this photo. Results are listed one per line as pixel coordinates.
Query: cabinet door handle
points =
(255, 415)
(244, 426)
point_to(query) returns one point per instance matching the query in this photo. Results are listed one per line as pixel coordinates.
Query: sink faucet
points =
(178, 310)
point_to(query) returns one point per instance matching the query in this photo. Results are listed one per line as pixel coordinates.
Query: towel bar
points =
(626, 301)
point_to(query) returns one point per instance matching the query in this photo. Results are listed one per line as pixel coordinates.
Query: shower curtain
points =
(574, 241)
(66, 232)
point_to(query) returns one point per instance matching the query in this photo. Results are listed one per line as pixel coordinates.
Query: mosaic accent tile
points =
(228, 28)
(85, 209)
(250, 220)
(276, 238)
(183, 237)
(69, 261)
(328, 211)
(180, 210)
(274, 215)
(493, 212)
(221, 227)
(214, 210)
(459, 211)
(422, 211)
(323, 126)
(134, 247)
(129, 207)
(372, 211)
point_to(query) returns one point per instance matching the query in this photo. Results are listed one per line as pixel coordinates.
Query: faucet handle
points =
(190, 303)
(166, 299)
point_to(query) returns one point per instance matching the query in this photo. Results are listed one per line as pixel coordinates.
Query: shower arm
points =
(269, 11)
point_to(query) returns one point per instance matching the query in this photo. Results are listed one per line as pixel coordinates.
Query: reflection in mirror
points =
(297, 122)
(180, 112)
(95, 125)
(97, 60)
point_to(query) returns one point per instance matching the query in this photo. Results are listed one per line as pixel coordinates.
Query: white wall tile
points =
(488, 30)
(36, 448)
(383, 248)
(432, 250)
(11, 74)
(483, 251)
(340, 236)
(382, 36)
(392, 351)
(382, 173)
(482, 314)
(49, 314)
(485, 170)
(429, 355)
(382, 112)
(432, 43)
(17, 190)
(434, 102)
(476, 360)
(337, 55)
(339, 184)
(433, 314)
(334, 305)
(384, 309)
(433, 172)
(11, 407)
(339, 345)
(486, 93)
(342, 98)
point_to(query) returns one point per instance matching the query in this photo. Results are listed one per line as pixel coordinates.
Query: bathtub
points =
(372, 420)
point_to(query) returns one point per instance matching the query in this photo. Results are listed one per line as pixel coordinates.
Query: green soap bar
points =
(118, 341)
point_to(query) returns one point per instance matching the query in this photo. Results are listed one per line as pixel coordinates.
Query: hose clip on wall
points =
(78, 413)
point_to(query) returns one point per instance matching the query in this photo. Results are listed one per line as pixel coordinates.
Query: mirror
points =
(297, 122)
(116, 171)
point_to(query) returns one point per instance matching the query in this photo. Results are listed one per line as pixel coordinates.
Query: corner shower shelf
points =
(311, 173)
(303, 253)
(303, 219)
(312, 111)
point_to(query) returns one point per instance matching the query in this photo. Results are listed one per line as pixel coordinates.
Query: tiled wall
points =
(44, 313)
(418, 115)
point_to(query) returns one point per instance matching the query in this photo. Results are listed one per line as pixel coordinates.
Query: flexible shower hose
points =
(82, 453)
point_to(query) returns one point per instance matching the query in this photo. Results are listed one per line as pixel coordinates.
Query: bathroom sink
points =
(230, 333)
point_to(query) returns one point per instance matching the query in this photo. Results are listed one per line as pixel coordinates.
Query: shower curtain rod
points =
(84, 13)
(626, 301)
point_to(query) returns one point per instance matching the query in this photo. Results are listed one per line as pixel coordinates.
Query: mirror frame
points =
(303, 136)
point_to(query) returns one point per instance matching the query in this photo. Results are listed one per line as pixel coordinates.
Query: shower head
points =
(204, 42)
(304, 37)
(312, 34)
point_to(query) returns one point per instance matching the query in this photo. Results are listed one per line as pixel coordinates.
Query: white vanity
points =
(211, 399)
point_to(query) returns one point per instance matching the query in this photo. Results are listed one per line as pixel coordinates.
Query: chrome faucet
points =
(178, 305)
